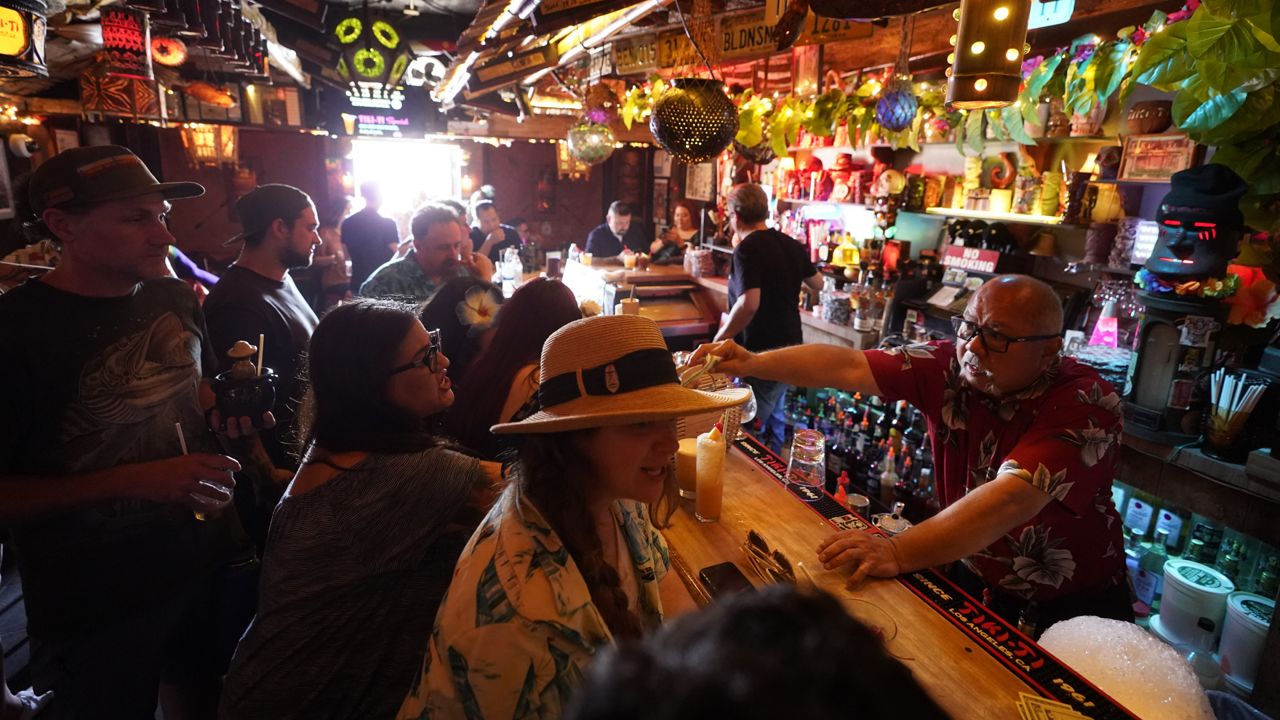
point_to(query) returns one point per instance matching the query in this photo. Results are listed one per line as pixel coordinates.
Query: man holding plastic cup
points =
(1025, 444)
(102, 356)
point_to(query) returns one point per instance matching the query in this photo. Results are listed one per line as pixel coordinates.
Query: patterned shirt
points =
(1061, 434)
(518, 627)
(401, 279)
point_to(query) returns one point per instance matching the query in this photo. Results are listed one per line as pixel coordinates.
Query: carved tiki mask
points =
(1200, 224)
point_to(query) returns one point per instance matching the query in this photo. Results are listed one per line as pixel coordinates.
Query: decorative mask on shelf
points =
(1199, 224)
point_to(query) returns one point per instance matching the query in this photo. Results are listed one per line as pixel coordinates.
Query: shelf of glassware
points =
(995, 216)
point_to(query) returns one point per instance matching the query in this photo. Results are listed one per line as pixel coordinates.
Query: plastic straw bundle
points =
(1233, 398)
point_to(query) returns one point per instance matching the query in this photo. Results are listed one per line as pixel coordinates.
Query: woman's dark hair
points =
(348, 362)
(537, 309)
(460, 342)
(553, 474)
(741, 657)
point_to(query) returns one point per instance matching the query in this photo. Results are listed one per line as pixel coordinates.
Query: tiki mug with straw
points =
(247, 389)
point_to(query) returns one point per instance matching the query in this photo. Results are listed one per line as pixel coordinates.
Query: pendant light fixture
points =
(373, 50)
(126, 41)
(989, 44)
(694, 120)
(22, 31)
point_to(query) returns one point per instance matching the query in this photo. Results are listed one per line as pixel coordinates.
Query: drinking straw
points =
(182, 440)
(261, 343)
(633, 291)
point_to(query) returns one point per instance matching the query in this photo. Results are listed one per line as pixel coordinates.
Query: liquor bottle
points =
(1269, 577)
(888, 478)
(1229, 560)
(1143, 582)
(1138, 514)
(922, 496)
(872, 467)
(1172, 523)
(933, 502)
(837, 456)
(901, 422)
(1152, 563)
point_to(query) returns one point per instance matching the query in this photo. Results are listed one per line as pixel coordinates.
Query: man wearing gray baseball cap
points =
(105, 453)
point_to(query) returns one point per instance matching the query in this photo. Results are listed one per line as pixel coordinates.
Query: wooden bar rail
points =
(966, 678)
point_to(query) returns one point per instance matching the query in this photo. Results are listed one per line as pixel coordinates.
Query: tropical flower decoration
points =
(479, 309)
(1209, 288)
(1256, 303)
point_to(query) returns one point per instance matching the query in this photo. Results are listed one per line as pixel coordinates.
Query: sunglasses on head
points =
(429, 358)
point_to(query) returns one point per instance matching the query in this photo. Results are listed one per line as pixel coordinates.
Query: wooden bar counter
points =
(966, 678)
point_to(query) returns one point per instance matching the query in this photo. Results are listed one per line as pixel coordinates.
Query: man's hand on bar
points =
(867, 554)
(734, 359)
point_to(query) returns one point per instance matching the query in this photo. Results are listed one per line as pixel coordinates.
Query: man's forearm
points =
(818, 365)
(27, 497)
(739, 318)
(973, 523)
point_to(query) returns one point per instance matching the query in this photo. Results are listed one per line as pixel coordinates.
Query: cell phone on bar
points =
(723, 579)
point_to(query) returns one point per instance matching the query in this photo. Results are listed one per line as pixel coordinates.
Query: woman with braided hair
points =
(568, 559)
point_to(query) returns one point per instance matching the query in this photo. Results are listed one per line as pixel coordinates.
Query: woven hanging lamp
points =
(990, 42)
(694, 120)
(22, 31)
(896, 109)
(590, 142)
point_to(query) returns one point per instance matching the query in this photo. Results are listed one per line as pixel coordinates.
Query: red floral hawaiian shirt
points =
(1061, 434)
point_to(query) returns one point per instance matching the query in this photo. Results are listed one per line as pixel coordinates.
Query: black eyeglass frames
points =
(993, 340)
(429, 358)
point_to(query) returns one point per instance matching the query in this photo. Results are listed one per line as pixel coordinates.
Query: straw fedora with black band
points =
(612, 370)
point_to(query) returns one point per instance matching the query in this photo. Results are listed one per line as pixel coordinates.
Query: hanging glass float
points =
(694, 120)
(590, 142)
(896, 109)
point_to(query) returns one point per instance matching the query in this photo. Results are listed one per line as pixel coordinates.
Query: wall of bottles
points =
(873, 449)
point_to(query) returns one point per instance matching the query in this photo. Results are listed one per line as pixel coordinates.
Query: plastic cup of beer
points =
(205, 507)
(687, 468)
(585, 258)
(710, 483)
(629, 261)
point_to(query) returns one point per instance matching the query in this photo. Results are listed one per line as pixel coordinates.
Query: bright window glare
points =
(409, 173)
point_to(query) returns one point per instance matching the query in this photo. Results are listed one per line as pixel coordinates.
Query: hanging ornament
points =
(601, 104)
(126, 41)
(694, 120)
(986, 64)
(590, 142)
(22, 31)
(896, 109)
(168, 51)
(373, 50)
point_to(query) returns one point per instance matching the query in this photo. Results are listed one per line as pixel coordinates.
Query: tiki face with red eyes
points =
(1193, 243)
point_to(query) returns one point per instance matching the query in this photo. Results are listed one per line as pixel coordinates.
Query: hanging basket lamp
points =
(590, 142)
(694, 120)
(986, 64)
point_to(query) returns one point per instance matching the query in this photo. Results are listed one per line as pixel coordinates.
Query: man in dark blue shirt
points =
(489, 236)
(370, 238)
(606, 241)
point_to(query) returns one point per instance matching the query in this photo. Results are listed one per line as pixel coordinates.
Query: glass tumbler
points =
(807, 466)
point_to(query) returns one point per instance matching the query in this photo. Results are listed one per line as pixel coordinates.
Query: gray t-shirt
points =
(352, 577)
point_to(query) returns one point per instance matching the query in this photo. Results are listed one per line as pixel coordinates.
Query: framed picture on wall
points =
(1155, 158)
(700, 182)
(660, 201)
(65, 139)
(6, 188)
(661, 163)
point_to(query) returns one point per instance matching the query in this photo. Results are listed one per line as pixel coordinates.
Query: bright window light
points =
(409, 172)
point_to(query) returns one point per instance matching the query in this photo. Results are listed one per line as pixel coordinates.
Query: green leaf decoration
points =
(1214, 38)
(974, 136)
(961, 129)
(1157, 20)
(1163, 62)
(1040, 77)
(1195, 116)
(996, 122)
(1242, 159)
(1013, 122)
(1257, 114)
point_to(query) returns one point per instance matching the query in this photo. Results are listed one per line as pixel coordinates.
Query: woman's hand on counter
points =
(866, 554)
(734, 359)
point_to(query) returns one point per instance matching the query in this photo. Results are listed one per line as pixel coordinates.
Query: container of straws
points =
(1233, 397)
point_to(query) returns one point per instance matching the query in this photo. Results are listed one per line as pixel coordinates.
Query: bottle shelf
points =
(1001, 217)
(824, 202)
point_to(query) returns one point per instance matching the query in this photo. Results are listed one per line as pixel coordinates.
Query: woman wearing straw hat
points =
(568, 559)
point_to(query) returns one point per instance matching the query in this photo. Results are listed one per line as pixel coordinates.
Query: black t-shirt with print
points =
(777, 264)
(87, 384)
(244, 305)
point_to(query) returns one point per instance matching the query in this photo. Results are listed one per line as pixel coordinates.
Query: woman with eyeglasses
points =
(568, 559)
(362, 546)
(1025, 446)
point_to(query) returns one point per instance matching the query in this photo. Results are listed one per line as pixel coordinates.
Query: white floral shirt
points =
(1061, 435)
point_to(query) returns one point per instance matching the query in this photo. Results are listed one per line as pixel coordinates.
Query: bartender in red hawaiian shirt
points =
(1025, 444)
